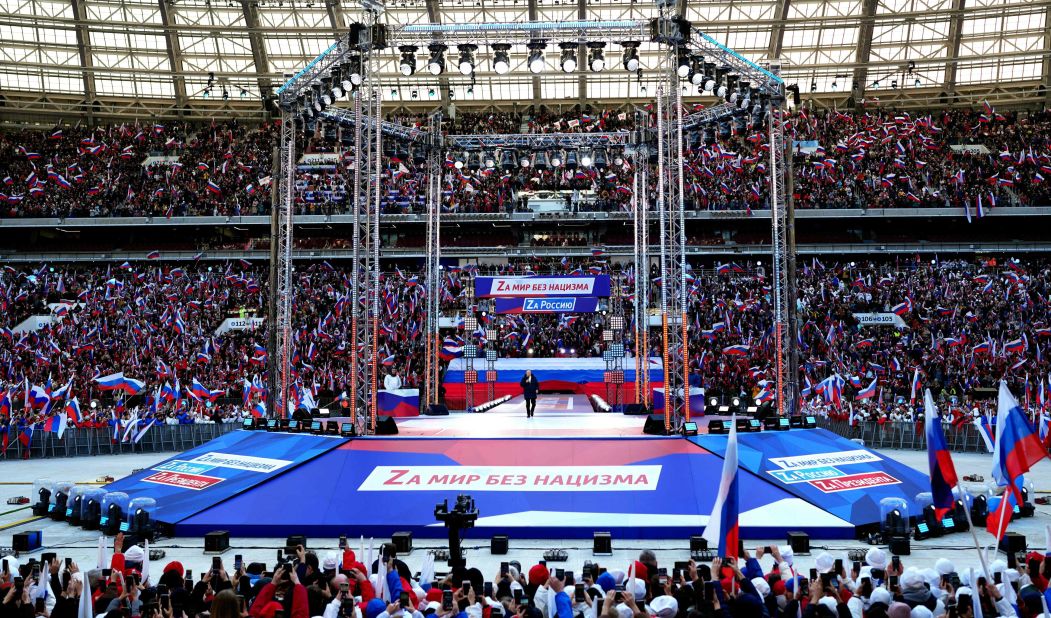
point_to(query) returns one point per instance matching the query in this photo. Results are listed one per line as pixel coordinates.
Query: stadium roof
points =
(153, 58)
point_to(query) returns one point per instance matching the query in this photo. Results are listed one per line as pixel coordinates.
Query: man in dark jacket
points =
(530, 387)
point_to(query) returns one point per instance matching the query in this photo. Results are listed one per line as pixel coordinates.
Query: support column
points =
(171, 40)
(861, 73)
(953, 51)
(86, 61)
(259, 56)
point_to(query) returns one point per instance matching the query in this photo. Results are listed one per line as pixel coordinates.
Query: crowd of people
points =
(340, 583)
(970, 159)
(956, 327)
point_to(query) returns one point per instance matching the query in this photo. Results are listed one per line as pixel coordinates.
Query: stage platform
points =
(565, 473)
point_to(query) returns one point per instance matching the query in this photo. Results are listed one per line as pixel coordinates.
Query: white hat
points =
(513, 572)
(932, 577)
(1013, 575)
(12, 564)
(876, 558)
(911, 578)
(921, 612)
(787, 554)
(330, 562)
(618, 576)
(828, 602)
(863, 572)
(640, 589)
(433, 605)
(997, 566)
(944, 566)
(824, 562)
(880, 595)
(664, 606)
(624, 611)
(761, 586)
(134, 554)
(962, 590)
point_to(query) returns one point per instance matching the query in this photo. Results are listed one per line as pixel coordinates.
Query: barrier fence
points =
(79, 442)
(905, 434)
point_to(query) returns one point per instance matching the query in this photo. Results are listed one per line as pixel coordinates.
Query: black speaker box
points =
(799, 542)
(603, 544)
(385, 426)
(498, 545)
(634, 409)
(30, 540)
(1013, 543)
(900, 545)
(436, 409)
(655, 425)
(217, 541)
(402, 542)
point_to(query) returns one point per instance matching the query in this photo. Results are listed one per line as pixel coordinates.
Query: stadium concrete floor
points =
(18, 476)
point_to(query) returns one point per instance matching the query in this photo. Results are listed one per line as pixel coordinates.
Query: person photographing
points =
(530, 387)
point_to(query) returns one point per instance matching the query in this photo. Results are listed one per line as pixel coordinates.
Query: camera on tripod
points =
(461, 517)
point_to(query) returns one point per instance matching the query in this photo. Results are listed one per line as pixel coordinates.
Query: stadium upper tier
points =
(966, 161)
(962, 325)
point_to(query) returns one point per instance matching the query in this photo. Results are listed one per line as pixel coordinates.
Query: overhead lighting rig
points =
(536, 56)
(501, 58)
(568, 59)
(407, 65)
(436, 63)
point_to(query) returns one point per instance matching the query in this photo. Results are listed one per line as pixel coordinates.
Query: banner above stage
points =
(542, 286)
(551, 304)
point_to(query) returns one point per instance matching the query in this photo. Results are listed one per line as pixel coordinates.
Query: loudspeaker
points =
(716, 427)
(402, 542)
(799, 542)
(900, 545)
(1013, 543)
(498, 545)
(385, 426)
(603, 544)
(634, 409)
(296, 539)
(30, 540)
(217, 541)
(698, 543)
(655, 425)
(436, 409)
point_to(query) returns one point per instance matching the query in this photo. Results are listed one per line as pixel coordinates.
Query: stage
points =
(565, 473)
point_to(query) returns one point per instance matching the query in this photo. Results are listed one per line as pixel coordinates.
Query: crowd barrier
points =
(80, 442)
(905, 435)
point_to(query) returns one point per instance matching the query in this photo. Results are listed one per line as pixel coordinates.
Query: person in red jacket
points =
(285, 590)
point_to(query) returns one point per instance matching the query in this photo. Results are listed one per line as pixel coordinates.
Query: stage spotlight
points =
(507, 162)
(601, 162)
(683, 70)
(466, 58)
(536, 56)
(354, 71)
(489, 160)
(407, 65)
(436, 63)
(541, 161)
(585, 159)
(556, 158)
(337, 84)
(501, 58)
(326, 90)
(523, 161)
(571, 159)
(697, 70)
(459, 161)
(709, 76)
(631, 55)
(596, 59)
(568, 59)
(736, 402)
(345, 71)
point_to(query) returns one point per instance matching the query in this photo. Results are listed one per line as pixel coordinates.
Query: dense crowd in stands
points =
(340, 583)
(963, 326)
(973, 160)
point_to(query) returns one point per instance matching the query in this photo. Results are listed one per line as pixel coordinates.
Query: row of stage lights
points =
(719, 81)
(535, 62)
(541, 160)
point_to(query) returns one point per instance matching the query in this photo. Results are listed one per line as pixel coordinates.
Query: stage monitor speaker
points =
(799, 542)
(900, 545)
(498, 545)
(716, 427)
(655, 425)
(402, 542)
(603, 544)
(1013, 543)
(217, 541)
(294, 540)
(436, 409)
(30, 540)
(385, 426)
(635, 409)
(698, 543)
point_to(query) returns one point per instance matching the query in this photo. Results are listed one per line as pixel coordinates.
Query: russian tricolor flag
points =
(736, 350)
(943, 472)
(722, 528)
(214, 188)
(869, 391)
(72, 410)
(1018, 448)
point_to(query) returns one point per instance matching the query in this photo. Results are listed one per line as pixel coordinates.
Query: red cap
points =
(538, 575)
(176, 566)
(270, 609)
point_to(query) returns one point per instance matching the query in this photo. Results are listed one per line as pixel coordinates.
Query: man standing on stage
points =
(530, 387)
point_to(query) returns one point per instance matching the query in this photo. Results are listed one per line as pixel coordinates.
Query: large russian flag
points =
(1017, 449)
(722, 528)
(111, 382)
(943, 472)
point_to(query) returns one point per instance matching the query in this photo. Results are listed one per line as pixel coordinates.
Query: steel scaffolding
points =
(433, 274)
(279, 359)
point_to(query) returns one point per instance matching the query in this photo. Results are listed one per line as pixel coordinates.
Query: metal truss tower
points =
(433, 274)
(282, 287)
